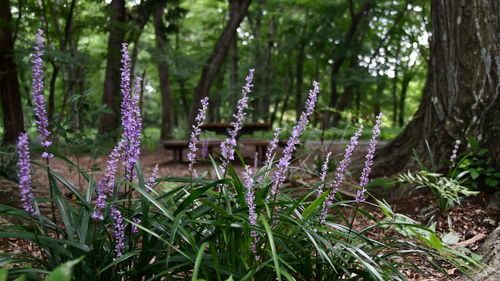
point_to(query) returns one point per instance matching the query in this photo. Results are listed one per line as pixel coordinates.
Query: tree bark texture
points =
(461, 98)
(13, 121)
(167, 115)
(111, 95)
(213, 65)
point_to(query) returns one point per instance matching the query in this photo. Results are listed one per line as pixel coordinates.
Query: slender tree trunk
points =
(111, 95)
(52, 91)
(212, 67)
(13, 121)
(299, 66)
(394, 92)
(233, 81)
(349, 37)
(346, 98)
(358, 104)
(461, 98)
(287, 97)
(402, 98)
(167, 117)
(267, 79)
(378, 94)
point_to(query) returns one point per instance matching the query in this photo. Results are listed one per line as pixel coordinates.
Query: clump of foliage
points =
(475, 167)
(234, 227)
(448, 191)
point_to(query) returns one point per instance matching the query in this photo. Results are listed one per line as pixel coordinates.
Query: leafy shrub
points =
(475, 168)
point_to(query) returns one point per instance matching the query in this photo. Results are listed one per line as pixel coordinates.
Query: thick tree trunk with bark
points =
(111, 95)
(167, 116)
(239, 9)
(10, 96)
(461, 98)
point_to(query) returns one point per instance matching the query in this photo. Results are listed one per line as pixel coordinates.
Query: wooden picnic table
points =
(248, 128)
(177, 146)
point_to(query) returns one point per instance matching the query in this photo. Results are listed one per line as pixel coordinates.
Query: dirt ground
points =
(471, 220)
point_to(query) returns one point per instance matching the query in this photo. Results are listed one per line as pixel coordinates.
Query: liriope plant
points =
(236, 226)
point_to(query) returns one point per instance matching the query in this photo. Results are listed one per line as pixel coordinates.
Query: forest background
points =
(369, 56)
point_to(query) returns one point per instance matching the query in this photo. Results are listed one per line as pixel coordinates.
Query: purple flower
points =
(118, 230)
(106, 185)
(454, 153)
(193, 139)
(256, 161)
(130, 116)
(27, 197)
(324, 170)
(250, 200)
(134, 228)
(41, 119)
(204, 149)
(284, 162)
(128, 148)
(339, 175)
(272, 146)
(227, 147)
(369, 160)
(152, 179)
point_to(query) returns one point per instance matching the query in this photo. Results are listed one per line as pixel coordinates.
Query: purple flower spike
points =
(152, 179)
(339, 175)
(118, 231)
(107, 183)
(134, 228)
(195, 134)
(293, 141)
(204, 149)
(128, 148)
(227, 147)
(369, 161)
(27, 197)
(272, 146)
(454, 153)
(130, 116)
(324, 170)
(250, 200)
(41, 119)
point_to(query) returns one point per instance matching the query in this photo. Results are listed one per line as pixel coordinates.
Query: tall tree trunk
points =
(346, 98)
(394, 92)
(299, 65)
(13, 121)
(255, 21)
(167, 116)
(111, 95)
(233, 80)
(212, 67)
(287, 96)
(379, 92)
(461, 98)
(267, 79)
(180, 79)
(402, 98)
(349, 37)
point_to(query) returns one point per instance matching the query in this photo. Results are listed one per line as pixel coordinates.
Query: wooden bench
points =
(247, 128)
(177, 146)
